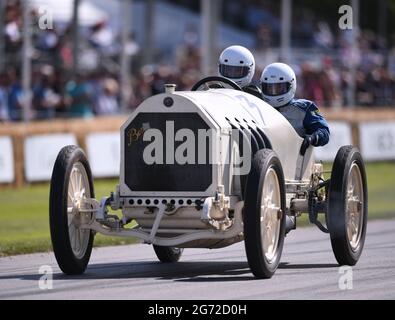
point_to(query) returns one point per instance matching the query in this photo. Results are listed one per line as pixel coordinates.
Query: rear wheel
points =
(168, 254)
(264, 214)
(347, 206)
(71, 183)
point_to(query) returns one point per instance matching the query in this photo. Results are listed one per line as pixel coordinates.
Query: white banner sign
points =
(377, 140)
(104, 153)
(6, 160)
(340, 136)
(41, 152)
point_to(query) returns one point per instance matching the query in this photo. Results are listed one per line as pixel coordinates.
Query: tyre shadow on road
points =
(207, 271)
(287, 265)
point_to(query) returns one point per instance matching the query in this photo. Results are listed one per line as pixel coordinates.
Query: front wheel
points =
(264, 214)
(168, 254)
(71, 183)
(347, 206)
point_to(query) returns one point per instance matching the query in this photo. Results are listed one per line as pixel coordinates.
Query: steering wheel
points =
(217, 79)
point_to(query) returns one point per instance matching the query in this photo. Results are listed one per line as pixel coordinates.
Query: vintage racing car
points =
(207, 168)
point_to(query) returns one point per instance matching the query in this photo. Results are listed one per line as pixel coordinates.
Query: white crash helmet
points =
(237, 63)
(278, 84)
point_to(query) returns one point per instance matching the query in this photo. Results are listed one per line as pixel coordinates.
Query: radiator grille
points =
(140, 176)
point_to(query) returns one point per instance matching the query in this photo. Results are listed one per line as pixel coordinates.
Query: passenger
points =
(237, 63)
(278, 83)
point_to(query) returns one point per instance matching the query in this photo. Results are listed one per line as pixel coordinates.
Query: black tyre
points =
(71, 181)
(264, 214)
(168, 254)
(347, 206)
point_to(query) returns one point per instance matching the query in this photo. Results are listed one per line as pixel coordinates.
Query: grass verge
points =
(24, 223)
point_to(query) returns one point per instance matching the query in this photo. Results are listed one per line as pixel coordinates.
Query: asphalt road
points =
(308, 271)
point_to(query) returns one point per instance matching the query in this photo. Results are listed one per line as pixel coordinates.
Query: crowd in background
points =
(95, 89)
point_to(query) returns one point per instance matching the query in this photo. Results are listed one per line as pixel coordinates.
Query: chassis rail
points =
(190, 235)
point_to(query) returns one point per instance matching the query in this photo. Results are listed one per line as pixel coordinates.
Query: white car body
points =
(185, 226)
(206, 169)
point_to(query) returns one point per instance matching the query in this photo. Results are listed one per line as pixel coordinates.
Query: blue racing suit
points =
(307, 121)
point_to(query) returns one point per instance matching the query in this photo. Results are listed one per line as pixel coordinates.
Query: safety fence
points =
(28, 151)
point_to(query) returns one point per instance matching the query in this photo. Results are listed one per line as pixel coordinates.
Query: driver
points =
(278, 82)
(237, 63)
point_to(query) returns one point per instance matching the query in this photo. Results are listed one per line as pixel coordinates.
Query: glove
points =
(308, 140)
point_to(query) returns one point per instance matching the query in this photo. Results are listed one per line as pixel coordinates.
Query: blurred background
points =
(72, 70)
(114, 54)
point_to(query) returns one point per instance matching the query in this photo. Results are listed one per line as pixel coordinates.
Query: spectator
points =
(4, 113)
(364, 95)
(131, 47)
(78, 98)
(12, 28)
(107, 103)
(264, 37)
(102, 38)
(311, 87)
(15, 95)
(48, 41)
(323, 36)
(45, 99)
